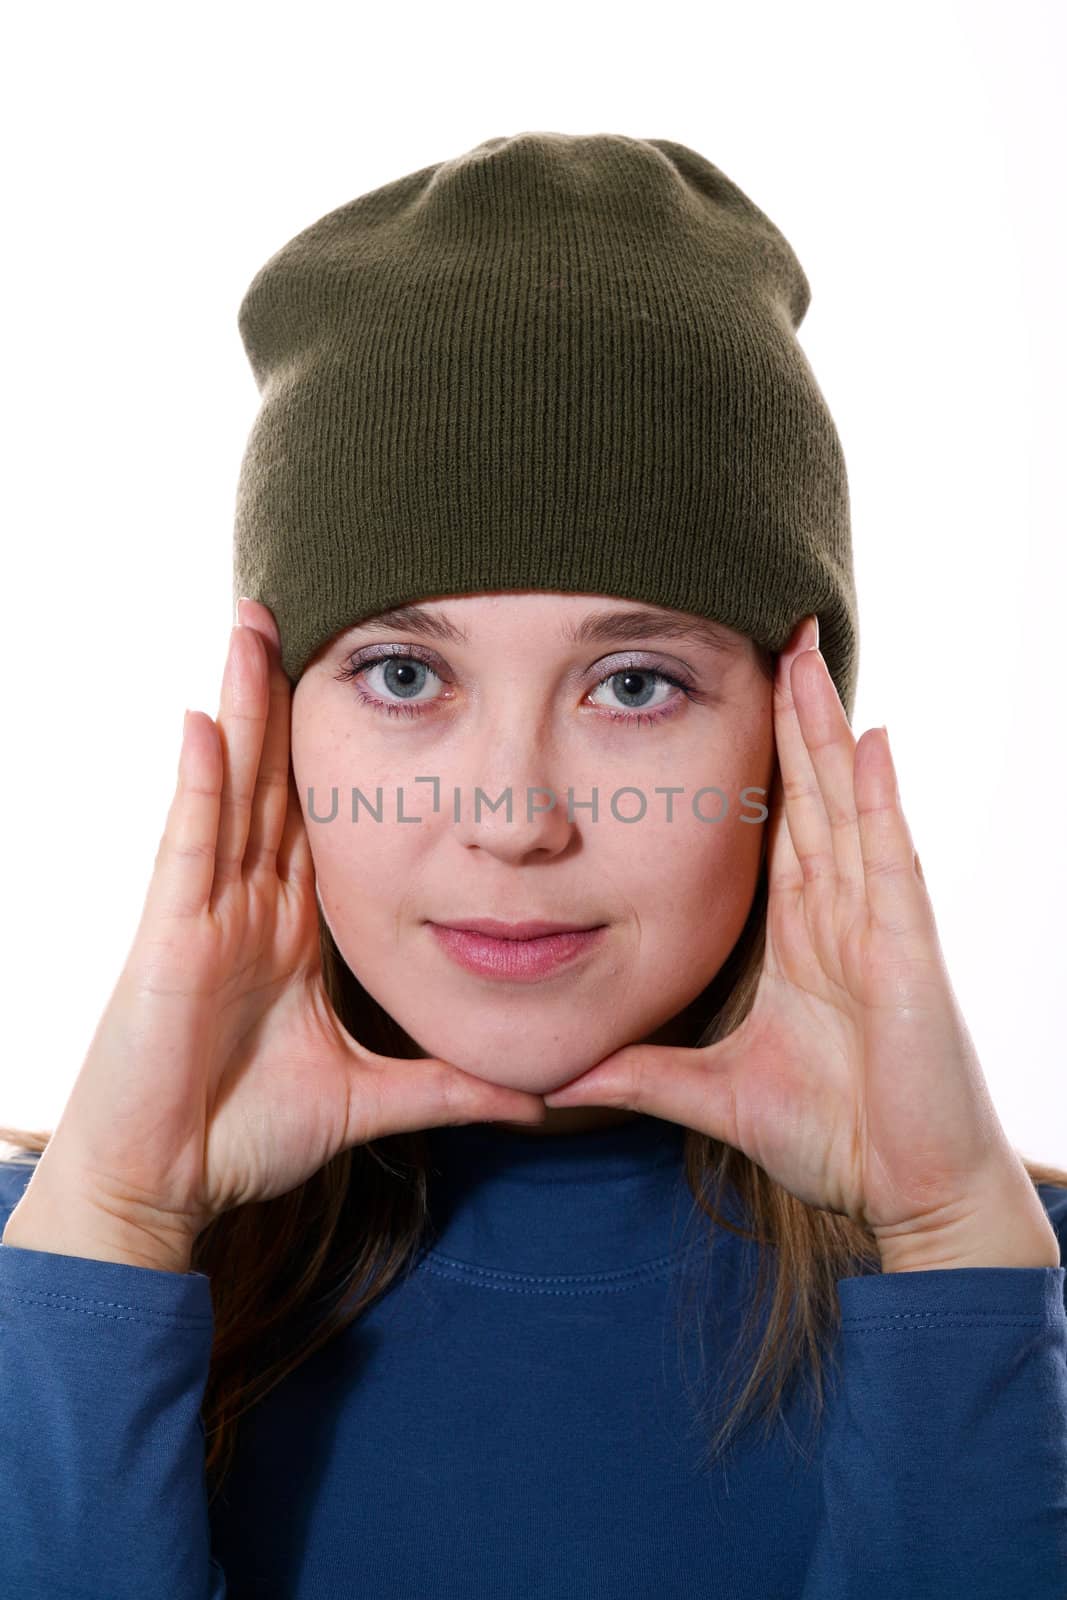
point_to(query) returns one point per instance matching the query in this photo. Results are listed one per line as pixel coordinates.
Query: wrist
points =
(1041, 1253)
(37, 1223)
(1005, 1226)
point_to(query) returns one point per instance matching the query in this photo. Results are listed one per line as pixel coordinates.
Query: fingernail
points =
(808, 637)
(243, 600)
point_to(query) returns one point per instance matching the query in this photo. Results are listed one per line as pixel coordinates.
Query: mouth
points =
(533, 929)
(515, 954)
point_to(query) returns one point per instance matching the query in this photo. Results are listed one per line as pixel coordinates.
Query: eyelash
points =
(353, 670)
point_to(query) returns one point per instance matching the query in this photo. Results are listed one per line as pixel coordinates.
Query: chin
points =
(536, 1079)
(512, 1057)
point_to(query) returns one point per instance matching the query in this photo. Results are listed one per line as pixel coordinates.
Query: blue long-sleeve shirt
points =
(519, 1416)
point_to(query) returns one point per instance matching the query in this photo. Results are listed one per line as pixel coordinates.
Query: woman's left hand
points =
(853, 1082)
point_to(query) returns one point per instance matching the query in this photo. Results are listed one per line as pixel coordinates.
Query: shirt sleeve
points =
(944, 1462)
(103, 1491)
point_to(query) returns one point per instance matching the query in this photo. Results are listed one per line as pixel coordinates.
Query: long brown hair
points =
(290, 1274)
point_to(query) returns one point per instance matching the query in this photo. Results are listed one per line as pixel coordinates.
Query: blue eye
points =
(624, 677)
(404, 672)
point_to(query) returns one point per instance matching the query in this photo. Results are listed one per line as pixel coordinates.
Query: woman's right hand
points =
(220, 1072)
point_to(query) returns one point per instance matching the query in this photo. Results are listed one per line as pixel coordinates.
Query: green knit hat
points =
(558, 361)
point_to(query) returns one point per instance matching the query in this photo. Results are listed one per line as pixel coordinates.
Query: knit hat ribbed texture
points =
(557, 361)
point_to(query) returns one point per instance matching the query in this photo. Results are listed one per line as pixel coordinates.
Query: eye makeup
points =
(356, 668)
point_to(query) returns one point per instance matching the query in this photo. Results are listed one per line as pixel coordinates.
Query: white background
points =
(155, 157)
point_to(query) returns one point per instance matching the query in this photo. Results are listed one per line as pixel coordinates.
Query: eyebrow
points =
(597, 627)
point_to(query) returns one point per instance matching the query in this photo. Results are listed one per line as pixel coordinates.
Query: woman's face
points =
(506, 692)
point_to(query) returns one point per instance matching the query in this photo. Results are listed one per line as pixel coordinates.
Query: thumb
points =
(406, 1096)
(693, 1087)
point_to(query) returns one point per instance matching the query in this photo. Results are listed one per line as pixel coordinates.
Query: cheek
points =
(355, 869)
(363, 871)
(690, 882)
(691, 885)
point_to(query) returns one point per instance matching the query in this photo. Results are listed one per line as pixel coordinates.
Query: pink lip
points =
(513, 957)
(513, 930)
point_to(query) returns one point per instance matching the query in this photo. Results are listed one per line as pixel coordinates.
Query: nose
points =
(510, 792)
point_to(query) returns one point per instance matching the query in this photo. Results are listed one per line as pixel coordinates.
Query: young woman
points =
(419, 1228)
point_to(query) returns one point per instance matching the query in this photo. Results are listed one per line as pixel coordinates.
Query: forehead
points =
(578, 620)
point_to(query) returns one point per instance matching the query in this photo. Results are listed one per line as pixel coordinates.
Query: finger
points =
(783, 868)
(896, 892)
(687, 1086)
(805, 812)
(270, 803)
(241, 721)
(831, 748)
(396, 1096)
(184, 869)
(295, 864)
